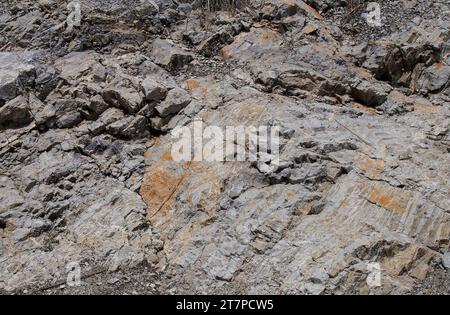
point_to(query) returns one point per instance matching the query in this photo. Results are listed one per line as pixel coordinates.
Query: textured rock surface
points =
(87, 175)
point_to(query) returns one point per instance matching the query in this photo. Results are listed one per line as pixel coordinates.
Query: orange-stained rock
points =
(390, 198)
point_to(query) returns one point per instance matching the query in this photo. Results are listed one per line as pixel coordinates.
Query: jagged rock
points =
(147, 8)
(16, 72)
(167, 54)
(396, 103)
(9, 196)
(419, 47)
(195, 38)
(15, 113)
(153, 90)
(210, 46)
(158, 123)
(128, 99)
(371, 94)
(176, 100)
(97, 105)
(446, 260)
(362, 173)
(110, 116)
(47, 4)
(434, 78)
(76, 64)
(69, 120)
(129, 127)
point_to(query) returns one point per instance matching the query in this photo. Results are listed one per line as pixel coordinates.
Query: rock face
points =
(88, 176)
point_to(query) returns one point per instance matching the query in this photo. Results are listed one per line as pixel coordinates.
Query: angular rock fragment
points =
(446, 260)
(395, 104)
(176, 100)
(434, 78)
(97, 105)
(110, 116)
(15, 113)
(75, 65)
(371, 94)
(153, 90)
(167, 54)
(16, 72)
(129, 127)
(128, 99)
(210, 46)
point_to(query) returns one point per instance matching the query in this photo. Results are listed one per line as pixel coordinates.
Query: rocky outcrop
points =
(88, 178)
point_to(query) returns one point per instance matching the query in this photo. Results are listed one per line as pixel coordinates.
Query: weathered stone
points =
(153, 90)
(128, 99)
(129, 127)
(176, 100)
(446, 260)
(167, 54)
(16, 72)
(434, 78)
(15, 113)
(110, 116)
(396, 103)
(361, 176)
(147, 8)
(211, 45)
(69, 120)
(76, 64)
(371, 94)
(97, 105)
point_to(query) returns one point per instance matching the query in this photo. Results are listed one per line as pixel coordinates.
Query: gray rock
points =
(108, 117)
(129, 127)
(15, 113)
(446, 260)
(314, 288)
(153, 90)
(355, 185)
(128, 99)
(16, 72)
(147, 8)
(41, 112)
(434, 78)
(176, 100)
(371, 94)
(77, 64)
(20, 234)
(10, 197)
(211, 45)
(395, 104)
(98, 105)
(69, 120)
(167, 54)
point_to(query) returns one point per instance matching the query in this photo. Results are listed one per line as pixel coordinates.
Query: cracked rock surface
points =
(87, 175)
